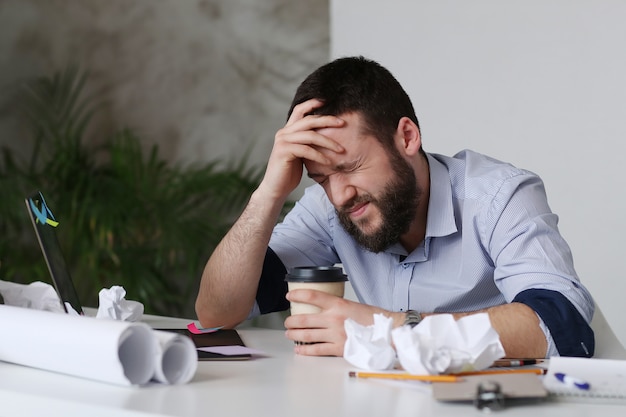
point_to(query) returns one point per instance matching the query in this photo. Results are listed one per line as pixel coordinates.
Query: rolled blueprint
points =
(110, 351)
(176, 358)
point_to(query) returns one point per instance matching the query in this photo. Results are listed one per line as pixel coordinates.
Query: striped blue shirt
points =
(490, 235)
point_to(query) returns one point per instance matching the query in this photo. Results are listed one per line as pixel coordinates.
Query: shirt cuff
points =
(570, 331)
(551, 350)
(255, 312)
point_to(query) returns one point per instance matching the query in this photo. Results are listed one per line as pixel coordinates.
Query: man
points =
(416, 233)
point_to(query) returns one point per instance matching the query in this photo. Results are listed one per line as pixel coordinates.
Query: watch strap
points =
(413, 318)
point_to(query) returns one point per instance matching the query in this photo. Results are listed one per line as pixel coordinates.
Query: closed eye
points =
(318, 178)
(347, 167)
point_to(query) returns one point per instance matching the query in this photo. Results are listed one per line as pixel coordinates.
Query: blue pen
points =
(572, 382)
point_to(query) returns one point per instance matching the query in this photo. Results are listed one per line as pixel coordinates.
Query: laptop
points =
(46, 225)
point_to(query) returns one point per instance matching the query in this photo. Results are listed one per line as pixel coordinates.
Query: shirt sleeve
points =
(304, 238)
(529, 253)
(570, 332)
(270, 296)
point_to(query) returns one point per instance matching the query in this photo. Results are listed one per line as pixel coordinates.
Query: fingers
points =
(317, 298)
(319, 349)
(315, 321)
(304, 145)
(297, 141)
(301, 127)
(314, 340)
(304, 108)
(320, 334)
(302, 140)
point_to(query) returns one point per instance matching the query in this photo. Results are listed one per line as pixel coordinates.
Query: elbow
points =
(209, 318)
(206, 317)
(202, 315)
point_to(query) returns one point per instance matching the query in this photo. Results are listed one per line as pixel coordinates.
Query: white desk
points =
(281, 384)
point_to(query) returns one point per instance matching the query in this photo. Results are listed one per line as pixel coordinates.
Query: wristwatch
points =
(412, 318)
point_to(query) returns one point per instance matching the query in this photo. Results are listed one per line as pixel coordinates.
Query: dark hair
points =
(357, 84)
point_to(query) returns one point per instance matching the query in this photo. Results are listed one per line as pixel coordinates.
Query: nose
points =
(339, 190)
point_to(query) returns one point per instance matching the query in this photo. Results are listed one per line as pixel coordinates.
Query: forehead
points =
(353, 137)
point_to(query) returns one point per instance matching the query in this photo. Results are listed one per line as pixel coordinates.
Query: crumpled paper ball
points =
(439, 344)
(42, 296)
(36, 295)
(369, 347)
(113, 305)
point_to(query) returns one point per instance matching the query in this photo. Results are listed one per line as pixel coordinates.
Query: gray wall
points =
(205, 79)
(540, 83)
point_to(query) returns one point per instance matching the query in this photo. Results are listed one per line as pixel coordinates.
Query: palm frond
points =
(127, 217)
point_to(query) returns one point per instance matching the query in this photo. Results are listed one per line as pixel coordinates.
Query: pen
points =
(572, 382)
(517, 362)
(536, 371)
(393, 375)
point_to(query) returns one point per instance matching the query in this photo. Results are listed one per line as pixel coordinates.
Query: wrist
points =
(412, 318)
(264, 199)
(398, 318)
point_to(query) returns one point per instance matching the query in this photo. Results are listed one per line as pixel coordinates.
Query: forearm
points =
(230, 278)
(518, 328)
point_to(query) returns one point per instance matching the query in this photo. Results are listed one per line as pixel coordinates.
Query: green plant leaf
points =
(127, 217)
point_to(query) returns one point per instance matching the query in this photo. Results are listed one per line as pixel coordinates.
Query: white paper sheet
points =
(606, 378)
(176, 359)
(110, 351)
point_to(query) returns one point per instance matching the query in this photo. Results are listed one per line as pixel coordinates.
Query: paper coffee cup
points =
(329, 279)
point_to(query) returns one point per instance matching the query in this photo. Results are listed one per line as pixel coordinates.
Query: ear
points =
(408, 137)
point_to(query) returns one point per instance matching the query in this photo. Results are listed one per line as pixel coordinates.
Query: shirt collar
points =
(440, 220)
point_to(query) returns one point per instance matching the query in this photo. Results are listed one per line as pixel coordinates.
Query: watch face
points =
(413, 318)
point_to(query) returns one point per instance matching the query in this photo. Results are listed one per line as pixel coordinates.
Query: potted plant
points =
(127, 217)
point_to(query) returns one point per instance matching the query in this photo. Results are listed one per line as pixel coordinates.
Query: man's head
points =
(374, 189)
(373, 183)
(356, 84)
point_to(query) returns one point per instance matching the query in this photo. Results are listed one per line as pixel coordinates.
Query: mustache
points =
(365, 198)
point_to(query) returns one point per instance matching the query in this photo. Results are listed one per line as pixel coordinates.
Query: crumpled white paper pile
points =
(439, 344)
(41, 296)
(37, 295)
(113, 305)
(369, 347)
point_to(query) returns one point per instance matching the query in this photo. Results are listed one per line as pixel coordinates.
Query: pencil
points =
(517, 362)
(394, 375)
(536, 371)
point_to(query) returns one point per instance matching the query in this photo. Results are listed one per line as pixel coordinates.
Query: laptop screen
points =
(45, 226)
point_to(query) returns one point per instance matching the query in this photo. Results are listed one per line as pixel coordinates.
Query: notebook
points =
(584, 378)
(46, 225)
(222, 337)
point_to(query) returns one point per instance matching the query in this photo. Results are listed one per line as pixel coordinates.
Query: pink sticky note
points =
(200, 330)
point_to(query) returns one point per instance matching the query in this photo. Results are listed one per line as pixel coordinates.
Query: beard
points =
(397, 206)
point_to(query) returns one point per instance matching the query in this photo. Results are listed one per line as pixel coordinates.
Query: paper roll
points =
(104, 350)
(176, 358)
